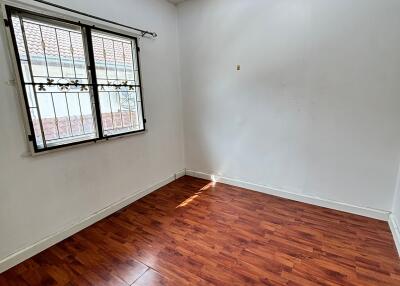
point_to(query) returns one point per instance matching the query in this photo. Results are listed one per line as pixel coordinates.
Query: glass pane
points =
(99, 58)
(120, 60)
(110, 60)
(25, 71)
(19, 38)
(126, 106)
(138, 108)
(52, 55)
(129, 65)
(106, 115)
(36, 127)
(65, 50)
(78, 54)
(53, 65)
(86, 105)
(115, 108)
(30, 93)
(75, 114)
(48, 116)
(35, 49)
(62, 112)
(118, 79)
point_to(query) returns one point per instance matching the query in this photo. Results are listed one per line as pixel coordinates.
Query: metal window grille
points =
(80, 83)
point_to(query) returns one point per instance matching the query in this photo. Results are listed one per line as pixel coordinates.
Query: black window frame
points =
(91, 68)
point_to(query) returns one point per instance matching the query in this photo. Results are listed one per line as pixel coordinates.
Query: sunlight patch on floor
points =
(196, 195)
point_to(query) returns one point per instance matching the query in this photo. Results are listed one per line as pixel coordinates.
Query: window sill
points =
(73, 145)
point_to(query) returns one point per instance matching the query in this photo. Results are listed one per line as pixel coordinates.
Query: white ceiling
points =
(176, 1)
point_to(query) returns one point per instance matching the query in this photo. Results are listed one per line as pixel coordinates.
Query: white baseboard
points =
(395, 229)
(180, 174)
(48, 241)
(364, 211)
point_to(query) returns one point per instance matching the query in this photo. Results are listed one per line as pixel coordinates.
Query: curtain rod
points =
(143, 32)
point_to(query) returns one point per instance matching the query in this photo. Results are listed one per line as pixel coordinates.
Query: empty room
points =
(200, 142)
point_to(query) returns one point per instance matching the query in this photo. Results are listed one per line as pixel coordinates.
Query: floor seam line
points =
(140, 276)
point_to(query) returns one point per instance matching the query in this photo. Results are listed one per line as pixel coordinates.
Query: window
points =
(80, 83)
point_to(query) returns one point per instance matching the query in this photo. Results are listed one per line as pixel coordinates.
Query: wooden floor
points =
(193, 232)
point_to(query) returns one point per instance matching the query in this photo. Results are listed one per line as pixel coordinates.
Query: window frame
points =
(91, 71)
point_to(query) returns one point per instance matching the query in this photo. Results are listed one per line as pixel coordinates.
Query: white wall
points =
(396, 202)
(41, 195)
(315, 108)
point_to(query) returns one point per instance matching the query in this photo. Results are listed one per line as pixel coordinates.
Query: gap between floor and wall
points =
(47, 242)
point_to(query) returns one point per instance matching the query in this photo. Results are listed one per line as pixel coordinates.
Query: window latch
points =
(6, 23)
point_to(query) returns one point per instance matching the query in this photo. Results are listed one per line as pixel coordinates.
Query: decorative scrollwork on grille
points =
(64, 84)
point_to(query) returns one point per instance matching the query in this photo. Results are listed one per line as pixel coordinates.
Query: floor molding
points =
(180, 174)
(395, 229)
(364, 211)
(49, 241)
